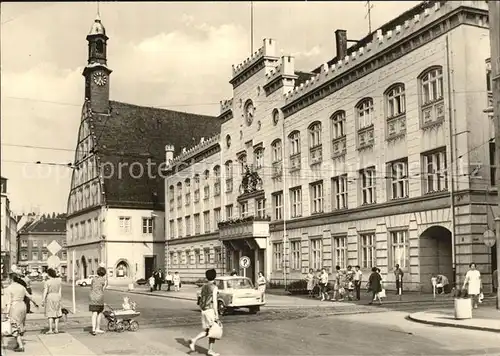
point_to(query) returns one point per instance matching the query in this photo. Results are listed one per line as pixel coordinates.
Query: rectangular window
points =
(296, 262)
(172, 229)
(340, 189)
(296, 202)
(399, 183)
(229, 211)
(206, 256)
(316, 249)
(64, 256)
(34, 256)
(493, 165)
(368, 184)
(277, 256)
(179, 227)
(316, 197)
(24, 243)
(261, 207)
(432, 86)
(368, 257)
(217, 255)
(197, 224)
(24, 256)
(278, 206)
(259, 158)
(147, 225)
(171, 259)
(217, 218)
(244, 209)
(45, 255)
(206, 192)
(125, 227)
(35, 243)
(206, 221)
(400, 248)
(188, 225)
(197, 257)
(435, 173)
(44, 243)
(340, 251)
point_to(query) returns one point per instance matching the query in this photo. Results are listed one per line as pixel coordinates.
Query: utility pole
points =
(494, 20)
(369, 15)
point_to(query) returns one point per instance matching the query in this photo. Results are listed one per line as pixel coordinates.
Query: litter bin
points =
(463, 308)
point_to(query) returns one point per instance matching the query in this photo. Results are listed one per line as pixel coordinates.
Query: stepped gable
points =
(134, 135)
(46, 226)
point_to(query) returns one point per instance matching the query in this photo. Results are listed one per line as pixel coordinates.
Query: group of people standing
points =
(158, 278)
(347, 283)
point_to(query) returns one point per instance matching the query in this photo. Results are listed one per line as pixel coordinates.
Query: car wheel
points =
(134, 326)
(254, 310)
(83, 284)
(221, 308)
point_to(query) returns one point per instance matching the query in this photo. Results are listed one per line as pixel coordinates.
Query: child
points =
(151, 283)
(177, 281)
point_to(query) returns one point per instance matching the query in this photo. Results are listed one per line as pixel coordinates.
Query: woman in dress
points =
(16, 308)
(261, 282)
(473, 282)
(310, 282)
(96, 306)
(51, 298)
(375, 285)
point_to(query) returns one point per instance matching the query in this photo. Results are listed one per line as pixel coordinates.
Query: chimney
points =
(341, 43)
(169, 153)
(287, 65)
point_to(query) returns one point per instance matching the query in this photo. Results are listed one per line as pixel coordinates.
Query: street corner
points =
(447, 319)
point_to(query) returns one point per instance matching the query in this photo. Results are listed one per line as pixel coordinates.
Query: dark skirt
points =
(96, 308)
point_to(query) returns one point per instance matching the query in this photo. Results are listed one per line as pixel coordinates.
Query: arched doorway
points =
(122, 269)
(435, 255)
(84, 267)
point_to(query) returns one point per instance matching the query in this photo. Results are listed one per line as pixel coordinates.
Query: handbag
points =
(6, 328)
(215, 331)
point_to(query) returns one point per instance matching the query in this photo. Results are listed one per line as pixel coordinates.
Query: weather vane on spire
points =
(369, 15)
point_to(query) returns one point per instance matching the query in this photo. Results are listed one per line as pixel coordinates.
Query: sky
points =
(175, 55)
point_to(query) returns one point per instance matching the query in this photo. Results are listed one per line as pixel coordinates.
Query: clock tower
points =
(96, 72)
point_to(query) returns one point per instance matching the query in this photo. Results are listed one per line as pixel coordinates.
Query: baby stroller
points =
(121, 320)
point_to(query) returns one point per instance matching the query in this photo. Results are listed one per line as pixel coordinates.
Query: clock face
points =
(100, 78)
(249, 112)
(276, 117)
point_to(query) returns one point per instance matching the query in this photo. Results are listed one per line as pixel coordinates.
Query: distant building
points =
(34, 243)
(353, 163)
(8, 228)
(116, 201)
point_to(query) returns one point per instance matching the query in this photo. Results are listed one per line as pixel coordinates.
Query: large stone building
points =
(116, 201)
(34, 244)
(356, 165)
(8, 231)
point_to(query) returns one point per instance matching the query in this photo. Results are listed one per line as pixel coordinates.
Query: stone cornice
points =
(384, 49)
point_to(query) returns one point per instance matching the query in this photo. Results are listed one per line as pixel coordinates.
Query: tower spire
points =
(98, 16)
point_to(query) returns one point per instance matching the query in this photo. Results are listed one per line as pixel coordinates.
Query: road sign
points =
(244, 262)
(489, 238)
(53, 261)
(54, 247)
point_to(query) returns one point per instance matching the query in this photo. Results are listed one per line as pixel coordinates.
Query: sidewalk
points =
(486, 319)
(48, 345)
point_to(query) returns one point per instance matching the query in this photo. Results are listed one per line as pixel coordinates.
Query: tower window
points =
(99, 47)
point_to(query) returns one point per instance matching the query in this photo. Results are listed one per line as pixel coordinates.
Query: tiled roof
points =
(302, 77)
(46, 225)
(133, 135)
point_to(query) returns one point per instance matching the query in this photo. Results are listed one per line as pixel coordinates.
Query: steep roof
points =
(132, 136)
(46, 225)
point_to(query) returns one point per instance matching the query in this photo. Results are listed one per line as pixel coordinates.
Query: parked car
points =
(85, 281)
(236, 292)
(141, 281)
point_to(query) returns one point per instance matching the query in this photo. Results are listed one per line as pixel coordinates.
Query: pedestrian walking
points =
(358, 277)
(152, 283)
(473, 282)
(169, 279)
(398, 275)
(209, 313)
(51, 299)
(15, 294)
(310, 282)
(96, 297)
(261, 282)
(177, 281)
(374, 285)
(323, 283)
(27, 280)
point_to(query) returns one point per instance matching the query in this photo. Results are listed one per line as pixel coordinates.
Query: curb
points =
(417, 319)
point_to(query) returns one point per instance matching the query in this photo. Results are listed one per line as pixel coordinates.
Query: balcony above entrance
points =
(244, 228)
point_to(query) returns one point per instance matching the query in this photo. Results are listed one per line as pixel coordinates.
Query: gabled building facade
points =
(357, 164)
(116, 201)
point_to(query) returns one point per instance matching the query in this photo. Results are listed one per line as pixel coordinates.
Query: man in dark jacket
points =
(160, 278)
